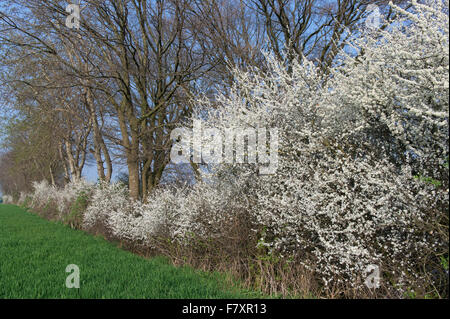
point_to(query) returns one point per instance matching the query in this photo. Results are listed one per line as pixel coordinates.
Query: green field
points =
(34, 254)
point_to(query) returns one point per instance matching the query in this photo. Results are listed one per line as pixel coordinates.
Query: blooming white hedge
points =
(345, 194)
(179, 214)
(44, 194)
(8, 199)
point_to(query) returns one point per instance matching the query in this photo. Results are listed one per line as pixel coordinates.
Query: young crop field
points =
(34, 254)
